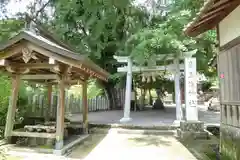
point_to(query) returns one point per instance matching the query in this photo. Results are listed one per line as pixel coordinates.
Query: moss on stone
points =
(230, 142)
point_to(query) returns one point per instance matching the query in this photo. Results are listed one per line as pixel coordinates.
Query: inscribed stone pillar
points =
(191, 89)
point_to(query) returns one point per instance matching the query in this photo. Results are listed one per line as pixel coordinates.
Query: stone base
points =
(192, 130)
(192, 135)
(58, 152)
(192, 126)
(176, 123)
(125, 120)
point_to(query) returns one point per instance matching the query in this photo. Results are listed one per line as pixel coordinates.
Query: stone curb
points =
(128, 126)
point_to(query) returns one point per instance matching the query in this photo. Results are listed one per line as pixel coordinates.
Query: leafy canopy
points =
(168, 38)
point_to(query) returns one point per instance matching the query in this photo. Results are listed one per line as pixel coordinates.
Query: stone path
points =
(120, 146)
(141, 147)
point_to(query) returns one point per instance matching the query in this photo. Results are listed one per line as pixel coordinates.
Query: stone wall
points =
(230, 142)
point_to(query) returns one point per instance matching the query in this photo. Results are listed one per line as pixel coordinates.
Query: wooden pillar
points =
(60, 115)
(49, 103)
(85, 107)
(12, 106)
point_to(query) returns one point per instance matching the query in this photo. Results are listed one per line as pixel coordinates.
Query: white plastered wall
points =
(229, 27)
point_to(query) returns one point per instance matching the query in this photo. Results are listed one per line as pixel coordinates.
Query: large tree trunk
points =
(158, 104)
(142, 98)
(114, 95)
(150, 97)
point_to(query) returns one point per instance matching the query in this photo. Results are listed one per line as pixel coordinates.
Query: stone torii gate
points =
(190, 73)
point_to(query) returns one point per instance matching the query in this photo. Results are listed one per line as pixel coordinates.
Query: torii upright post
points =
(177, 91)
(127, 105)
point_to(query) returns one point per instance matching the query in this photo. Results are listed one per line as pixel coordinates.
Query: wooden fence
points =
(37, 105)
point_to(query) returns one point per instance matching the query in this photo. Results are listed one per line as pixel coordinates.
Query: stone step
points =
(132, 131)
(130, 126)
(147, 132)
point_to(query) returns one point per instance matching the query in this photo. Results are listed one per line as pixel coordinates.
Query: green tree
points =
(103, 28)
(98, 29)
(168, 37)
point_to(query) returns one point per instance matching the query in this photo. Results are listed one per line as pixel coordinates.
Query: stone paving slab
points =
(141, 147)
(147, 117)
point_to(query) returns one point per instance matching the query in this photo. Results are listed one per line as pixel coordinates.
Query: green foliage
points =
(93, 90)
(9, 27)
(103, 28)
(5, 93)
(168, 38)
(97, 28)
(4, 97)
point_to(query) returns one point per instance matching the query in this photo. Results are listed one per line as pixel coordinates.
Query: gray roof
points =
(53, 47)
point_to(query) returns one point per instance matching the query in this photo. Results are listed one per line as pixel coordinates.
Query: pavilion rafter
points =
(210, 15)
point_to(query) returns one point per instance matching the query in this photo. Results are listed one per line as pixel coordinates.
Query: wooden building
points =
(223, 15)
(29, 56)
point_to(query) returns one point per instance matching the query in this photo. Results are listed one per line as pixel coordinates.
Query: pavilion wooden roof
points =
(32, 54)
(210, 15)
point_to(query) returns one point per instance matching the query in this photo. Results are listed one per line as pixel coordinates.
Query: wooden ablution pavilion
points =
(34, 57)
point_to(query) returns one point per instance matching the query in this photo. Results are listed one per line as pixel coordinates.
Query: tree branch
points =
(41, 9)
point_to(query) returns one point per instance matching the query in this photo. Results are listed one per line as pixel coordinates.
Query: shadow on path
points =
(150, 140)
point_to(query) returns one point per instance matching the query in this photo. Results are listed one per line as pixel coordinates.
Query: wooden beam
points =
(218, 7)
(10, 69)
(206, 22)
(15, 49)
(203, 10)
(85, 107)
(16, 70)
(71, 82)
(24, 68)
(60, 115)
(39, 76)
(215, 13)
(33, 134)
(221, 2)
(66, 61)
(33, 65)
(207, 25)
(52, 61)
(149, 69)
(12, 106)
(3, 62)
